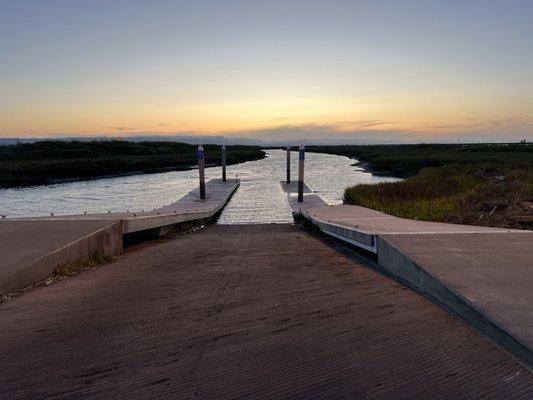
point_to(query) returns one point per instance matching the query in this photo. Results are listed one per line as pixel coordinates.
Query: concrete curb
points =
(107, 240)
(391, 259)
(397, 264)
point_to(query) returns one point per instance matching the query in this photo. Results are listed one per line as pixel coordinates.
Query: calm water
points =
(259, 198)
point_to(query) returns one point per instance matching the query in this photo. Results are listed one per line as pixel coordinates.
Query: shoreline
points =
(147, 170)
(366, 166)
(158, 171)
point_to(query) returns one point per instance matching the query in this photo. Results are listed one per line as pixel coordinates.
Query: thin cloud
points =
(512, 122)
(363, 124)
(453, 126)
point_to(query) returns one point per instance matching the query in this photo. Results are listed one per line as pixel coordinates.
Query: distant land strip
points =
(50, 162)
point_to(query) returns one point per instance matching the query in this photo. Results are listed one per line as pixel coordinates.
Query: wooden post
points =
(224, 163)
(301, 160)
(200, 155)
(288, 164)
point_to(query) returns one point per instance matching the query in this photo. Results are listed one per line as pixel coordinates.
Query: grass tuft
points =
(97, 259)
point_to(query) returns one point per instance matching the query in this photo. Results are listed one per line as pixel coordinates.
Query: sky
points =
(383, 71)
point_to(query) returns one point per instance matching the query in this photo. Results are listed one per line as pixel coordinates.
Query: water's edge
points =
(259, 198)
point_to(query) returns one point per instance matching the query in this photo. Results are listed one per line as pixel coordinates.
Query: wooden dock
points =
(33, 247)
(258, 311)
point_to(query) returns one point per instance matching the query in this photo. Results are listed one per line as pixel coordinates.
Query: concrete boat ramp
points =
(32, 248)
(256, 311)
(273, 311)
(483, 274)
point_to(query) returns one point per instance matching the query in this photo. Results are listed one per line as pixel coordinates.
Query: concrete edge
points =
(226, 199)
(358, 237)
(107, 239)
(401, 267)
(132, 225)
(148, 222)
(133, 236)
(309, 197)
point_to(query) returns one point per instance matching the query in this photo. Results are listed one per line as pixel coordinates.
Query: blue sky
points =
(406, 70)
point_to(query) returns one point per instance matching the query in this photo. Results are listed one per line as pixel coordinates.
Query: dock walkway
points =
(311, 199)
(33, 247)
(257, 311)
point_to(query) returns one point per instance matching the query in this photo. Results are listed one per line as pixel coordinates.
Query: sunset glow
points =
(405, 70)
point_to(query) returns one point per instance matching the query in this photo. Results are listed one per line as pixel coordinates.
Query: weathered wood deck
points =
(258, 311)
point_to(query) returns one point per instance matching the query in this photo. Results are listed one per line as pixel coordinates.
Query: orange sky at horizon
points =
(358, 69)
(420, 120)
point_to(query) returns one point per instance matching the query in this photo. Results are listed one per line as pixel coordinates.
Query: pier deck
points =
(33, 247)
(258, 311)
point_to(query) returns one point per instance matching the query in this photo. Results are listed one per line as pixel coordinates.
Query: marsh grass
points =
(476, 184)
(469, 196)
(74, 267)
(63, 271)
(407, 160)
(432, 195)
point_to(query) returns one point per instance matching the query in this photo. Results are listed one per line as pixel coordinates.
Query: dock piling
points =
(301, 160)
(288, 164)
(200, 155)
(224, 163)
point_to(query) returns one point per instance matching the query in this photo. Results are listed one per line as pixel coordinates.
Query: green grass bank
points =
(476, 184)
(48, 162)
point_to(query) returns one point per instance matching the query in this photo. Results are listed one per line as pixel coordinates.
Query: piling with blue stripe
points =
(301, 161)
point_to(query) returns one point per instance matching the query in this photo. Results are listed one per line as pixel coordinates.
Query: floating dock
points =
(311, 199)
(32, 248)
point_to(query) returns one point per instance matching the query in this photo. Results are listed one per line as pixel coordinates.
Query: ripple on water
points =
(259, 198)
